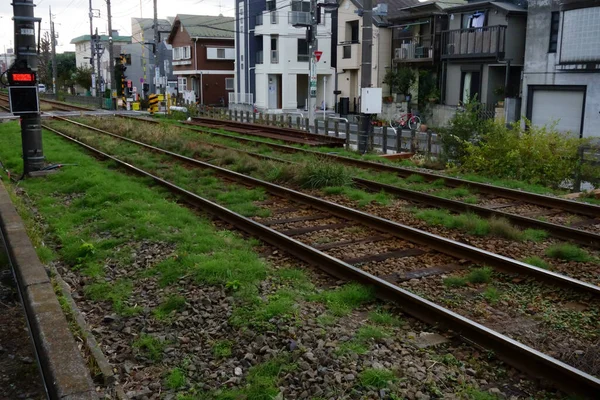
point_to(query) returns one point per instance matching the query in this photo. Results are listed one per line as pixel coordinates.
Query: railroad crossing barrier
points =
(153, 101)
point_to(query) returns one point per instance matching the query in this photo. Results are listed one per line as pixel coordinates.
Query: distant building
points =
(203, 57)
(83, 53)
(141, 68)
(561, 80)
(6, 59)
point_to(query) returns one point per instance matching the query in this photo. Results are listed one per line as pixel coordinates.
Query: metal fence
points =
(93, 102)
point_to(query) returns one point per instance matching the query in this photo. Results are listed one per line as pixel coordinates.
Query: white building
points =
(272, 60)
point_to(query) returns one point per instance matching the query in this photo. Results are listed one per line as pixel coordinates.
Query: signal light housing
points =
(22, 78)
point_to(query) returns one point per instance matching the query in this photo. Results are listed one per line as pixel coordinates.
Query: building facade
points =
(203, 57)
(483, 52)
(272, 56)
(561, 80)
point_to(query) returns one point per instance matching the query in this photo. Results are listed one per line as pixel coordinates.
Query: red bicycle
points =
(407, 120)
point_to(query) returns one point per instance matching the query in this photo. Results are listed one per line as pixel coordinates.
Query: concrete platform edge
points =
(63, 367)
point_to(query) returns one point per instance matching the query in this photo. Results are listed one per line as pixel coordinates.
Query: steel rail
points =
(439, 243)
(533, 198)
(559, 231)
(514, 353)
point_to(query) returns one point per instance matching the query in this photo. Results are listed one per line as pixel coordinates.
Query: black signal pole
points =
(27, 60)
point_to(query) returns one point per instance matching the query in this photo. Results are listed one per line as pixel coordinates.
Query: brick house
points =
(203, 57)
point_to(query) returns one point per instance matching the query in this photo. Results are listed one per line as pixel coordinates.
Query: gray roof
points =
(508, 7)
(395, 8)
(207, 26)
(148, 23)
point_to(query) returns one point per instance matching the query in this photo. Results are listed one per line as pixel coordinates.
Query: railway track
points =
(585, 232)
(298, 219)
(56, 105)
(289, 135)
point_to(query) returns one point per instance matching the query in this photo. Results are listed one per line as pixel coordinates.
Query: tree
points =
(83, 77)
(44, 60)
(400, 80)
(65, 66)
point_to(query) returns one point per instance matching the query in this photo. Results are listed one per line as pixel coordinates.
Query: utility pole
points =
(54, 66)
(92, 49)
(365, 73)
(111, 60)
(312, 65)
(155, 48)
(26, 65)
(99, 52)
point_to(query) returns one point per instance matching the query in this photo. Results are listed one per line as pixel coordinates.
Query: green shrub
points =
(322, 174)
(376, 377)
(455, 281)
(480, 275)
(175, 379)
(466, 126)
(537, 262)
(538, 155)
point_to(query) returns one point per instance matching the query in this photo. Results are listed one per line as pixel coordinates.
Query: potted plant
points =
(500, 91)
(434, 96)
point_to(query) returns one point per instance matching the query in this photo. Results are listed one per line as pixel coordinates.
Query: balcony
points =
(486, 42)
(415, 49)
(350, 54)
(259, 57)
(298, 18)
(259, 20)
(274, 57)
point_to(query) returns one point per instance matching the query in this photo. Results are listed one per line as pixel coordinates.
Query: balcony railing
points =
(274, 57)
(474, 42)
(259, 20)
(259, 57)
(303, 57)
(241, 98)
(298, 18)
(414, 49)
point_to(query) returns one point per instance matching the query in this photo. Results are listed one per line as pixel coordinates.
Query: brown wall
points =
(213, 88)
(181, 39)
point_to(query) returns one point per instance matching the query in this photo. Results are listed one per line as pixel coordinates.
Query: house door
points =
(470, 86)
(274, 92)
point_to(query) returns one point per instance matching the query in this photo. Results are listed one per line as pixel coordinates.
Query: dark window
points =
(353, 25)
(347, 52)
(301, 6)
(274, 43)
(302, 50)
(554, 20)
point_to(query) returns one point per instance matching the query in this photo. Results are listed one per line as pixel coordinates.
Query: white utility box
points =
(370, 100)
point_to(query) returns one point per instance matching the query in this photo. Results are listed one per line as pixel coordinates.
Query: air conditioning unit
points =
(400, 53)
(450, 49)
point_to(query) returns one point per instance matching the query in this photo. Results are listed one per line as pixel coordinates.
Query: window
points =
(181, 83)
(554, 23)
(302, 50)
(182, 53)
(303, 6)
(470, 86)
(228, 83)
(220, 53)
(347, 51)
(352, 32)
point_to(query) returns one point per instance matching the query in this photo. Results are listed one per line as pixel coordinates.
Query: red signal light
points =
(27, 77)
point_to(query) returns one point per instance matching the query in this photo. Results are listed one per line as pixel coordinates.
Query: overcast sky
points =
(71, 17)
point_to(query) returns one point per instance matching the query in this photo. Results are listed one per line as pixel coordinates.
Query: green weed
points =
(150, 346)
(378, 378)
(455, 281)
(568, 252)
(384, 318)
(176, 379)
(352, 347)
(415, 178)
(169, 306)
(491, 294)
(322, 174)
(537, 262)
(222, 348)
(480, 275)
(370, 332)
(343, 300)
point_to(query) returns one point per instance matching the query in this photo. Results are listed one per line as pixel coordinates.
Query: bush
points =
(465, 127)
(538, 155)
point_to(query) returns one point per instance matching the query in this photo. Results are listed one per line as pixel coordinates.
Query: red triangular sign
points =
(318, 55)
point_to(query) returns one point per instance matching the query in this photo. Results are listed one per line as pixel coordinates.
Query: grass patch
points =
(176, 379)
(343, 300)
(455, 281)
(480, 275)
(491, 295)
(222, 349)
(384, 318)
(455, 193)
(259, 313)
(415, 178)
(568, 252)
(326, 320)
(116, 292)
(169, 307)
(363, 198)
(321, 174)
(377, 378)
(537, 262)
(352, 347)
(370, 332)
(150, 346)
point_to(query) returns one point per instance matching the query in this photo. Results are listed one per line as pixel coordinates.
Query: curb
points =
(63, 369)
